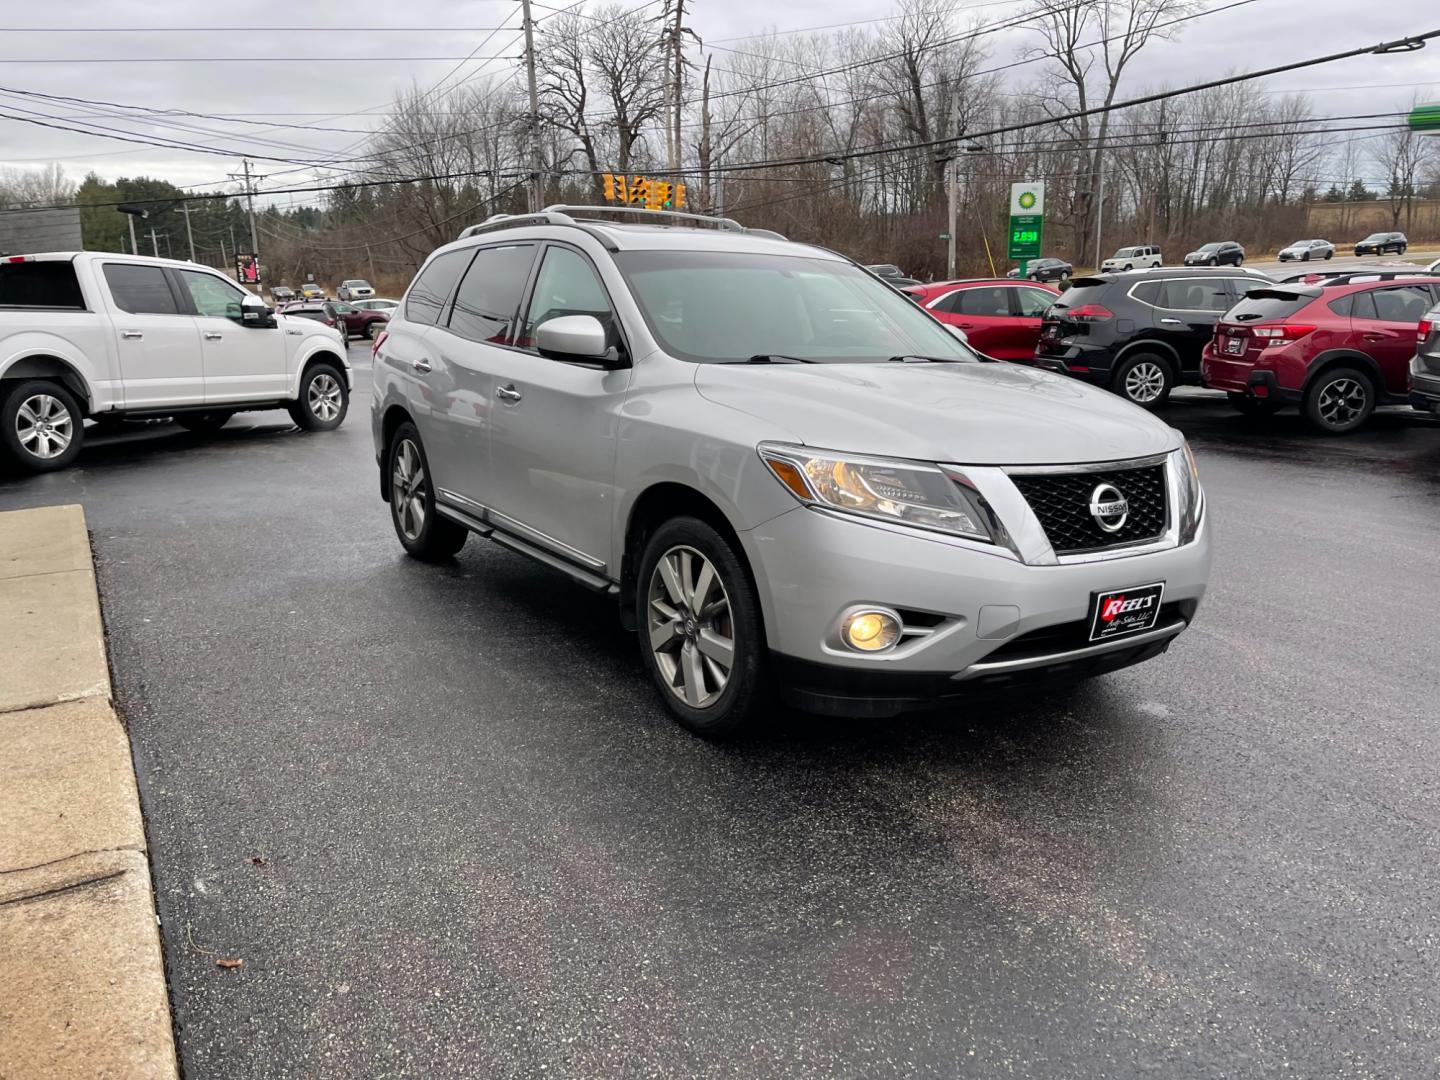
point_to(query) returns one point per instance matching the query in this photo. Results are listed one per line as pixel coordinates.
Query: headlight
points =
(905, 492)
(1191, 495)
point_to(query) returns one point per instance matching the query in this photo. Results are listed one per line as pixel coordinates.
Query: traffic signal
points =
(609, 186)
(678, 203)
(658, 195)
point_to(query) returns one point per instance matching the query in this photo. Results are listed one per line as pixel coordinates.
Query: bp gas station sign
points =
(1027, 221)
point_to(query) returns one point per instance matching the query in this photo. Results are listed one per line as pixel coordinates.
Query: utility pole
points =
(154, 244)
(134, 248)
(224, 259)
(950, 215)
(250, 205)
(190, 236)
(1099, 205)
(537, 191)
(370, 258)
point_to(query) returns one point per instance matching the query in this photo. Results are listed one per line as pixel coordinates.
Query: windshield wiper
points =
(916, 358)
(774, 358)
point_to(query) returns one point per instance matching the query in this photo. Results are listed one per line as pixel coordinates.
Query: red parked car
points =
(1336, 349)
(1000, 317)
(347, 317)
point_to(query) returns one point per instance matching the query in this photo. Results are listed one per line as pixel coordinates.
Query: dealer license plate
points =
(1122, 612)
(1234, 346)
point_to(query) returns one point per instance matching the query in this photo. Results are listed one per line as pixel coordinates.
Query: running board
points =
(524, 547)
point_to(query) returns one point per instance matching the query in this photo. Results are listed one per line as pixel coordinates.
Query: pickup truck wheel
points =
(323, 400)
(204, 423)
(41, 427)
(422, 532)
(1144, 379)
(701, 636)
(1339, 401)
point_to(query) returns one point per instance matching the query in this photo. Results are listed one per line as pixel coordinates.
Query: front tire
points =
(324, 399)
(1213, 261)
(206, 423)
(701, 635)
(422, 532)
(1329, 254)
(1144, 379)
(1339, 401)
(41, 426)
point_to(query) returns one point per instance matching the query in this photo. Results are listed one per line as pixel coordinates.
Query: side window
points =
(40, 285)
(1343, 306)
(1405, 305)
(1363, 306)
(212, 296)
(140, 290)
(432, 288)
(1184, 294)
(567, 285)
(1034, 302)
(987, 301)
(1150, 292)
(490, 294)
(950, 302)
(1239, 286)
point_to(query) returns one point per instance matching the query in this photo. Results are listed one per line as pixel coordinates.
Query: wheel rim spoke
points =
(689, 626)
(44, 426)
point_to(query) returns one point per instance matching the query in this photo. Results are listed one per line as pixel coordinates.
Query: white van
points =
(1133, 258)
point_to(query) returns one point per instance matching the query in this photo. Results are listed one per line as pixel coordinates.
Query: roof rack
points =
(562, 214)
(1375, 275)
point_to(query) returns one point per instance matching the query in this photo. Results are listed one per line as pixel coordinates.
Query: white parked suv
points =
(115, 337)
(1142, 257)
(781, 468)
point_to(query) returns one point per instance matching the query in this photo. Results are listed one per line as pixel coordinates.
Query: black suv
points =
(1381, 242)
(1220, 253)
(1139, 333)
(1045, 270)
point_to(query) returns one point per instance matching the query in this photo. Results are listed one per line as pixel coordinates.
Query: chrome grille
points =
(1061, 501)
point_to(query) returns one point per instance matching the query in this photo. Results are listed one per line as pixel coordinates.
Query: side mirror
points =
(575, 337)
(958, 333)
(253, 312)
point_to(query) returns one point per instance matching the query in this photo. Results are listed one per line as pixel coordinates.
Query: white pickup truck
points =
(115, 337)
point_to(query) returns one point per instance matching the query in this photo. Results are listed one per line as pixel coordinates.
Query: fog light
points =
(870, 631)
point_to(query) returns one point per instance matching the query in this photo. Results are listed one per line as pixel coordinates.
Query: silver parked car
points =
(1305, 250)
(785, 473)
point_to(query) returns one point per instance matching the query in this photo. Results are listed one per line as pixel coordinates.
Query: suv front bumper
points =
(811, 567)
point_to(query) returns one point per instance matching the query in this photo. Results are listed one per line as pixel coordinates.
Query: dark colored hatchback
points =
(1139, 333)
(1381, 242)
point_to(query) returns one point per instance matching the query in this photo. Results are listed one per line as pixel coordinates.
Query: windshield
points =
(1209, 247)
(1125, 253)
(717, 307)
(1376, 236)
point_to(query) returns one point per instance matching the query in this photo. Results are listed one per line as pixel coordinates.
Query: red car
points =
(1000, 317)
(346, 317)
(1335, 349)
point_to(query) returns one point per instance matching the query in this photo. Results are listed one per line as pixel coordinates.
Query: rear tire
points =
(1144, 379)
(41, 426)
(422, 532)
(1339, 401)
(205, 423)
(1246, 405)
(323, 401)
(701, 635)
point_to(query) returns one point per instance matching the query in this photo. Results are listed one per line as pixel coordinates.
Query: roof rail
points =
(1375, 275)
(548, 216)
(728, 224)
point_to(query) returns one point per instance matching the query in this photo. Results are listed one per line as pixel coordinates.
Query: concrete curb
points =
(82, 977)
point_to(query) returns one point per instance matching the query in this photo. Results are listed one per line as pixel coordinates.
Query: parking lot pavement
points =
(444, 821)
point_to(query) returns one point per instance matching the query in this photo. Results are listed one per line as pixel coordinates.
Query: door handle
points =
(133, 335)
(1172, 322)
(422, 365)
(1375, 337)
(211, 335)
(508, 393)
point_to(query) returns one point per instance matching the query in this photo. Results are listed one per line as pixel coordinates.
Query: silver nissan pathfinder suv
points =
(787, 474)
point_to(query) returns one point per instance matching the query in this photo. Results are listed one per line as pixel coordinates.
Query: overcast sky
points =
(351, 94)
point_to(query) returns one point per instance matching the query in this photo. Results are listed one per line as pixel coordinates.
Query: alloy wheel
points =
(1144, 382)
(408, 490)
(1342, 401)
(324, 397)
(44, 426)
(690, 625)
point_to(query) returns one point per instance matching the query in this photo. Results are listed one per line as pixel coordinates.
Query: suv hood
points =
(967, 414)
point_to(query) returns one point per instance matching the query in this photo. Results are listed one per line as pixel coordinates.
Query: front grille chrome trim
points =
(1089, 466)
(1021, 663)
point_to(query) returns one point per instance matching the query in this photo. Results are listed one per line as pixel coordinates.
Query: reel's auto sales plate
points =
(1122, 612)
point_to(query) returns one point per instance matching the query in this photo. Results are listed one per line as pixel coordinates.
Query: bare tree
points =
(1400, 155)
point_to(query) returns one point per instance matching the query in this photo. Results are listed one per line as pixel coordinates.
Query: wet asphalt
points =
(440, 815)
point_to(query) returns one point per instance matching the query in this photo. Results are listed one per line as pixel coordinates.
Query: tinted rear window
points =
(1081, 294)
(140, 290)
(434, 286)
(1278, 304)
(40, 285)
